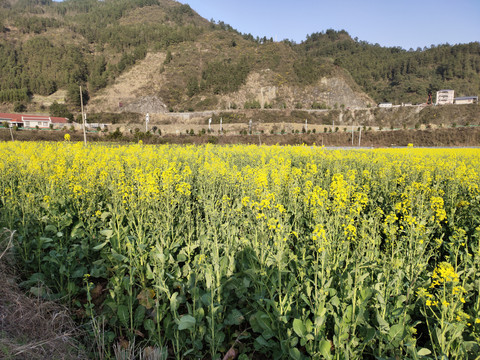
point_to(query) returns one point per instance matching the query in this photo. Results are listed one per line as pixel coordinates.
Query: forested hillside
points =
(397, 75)
(46, 46)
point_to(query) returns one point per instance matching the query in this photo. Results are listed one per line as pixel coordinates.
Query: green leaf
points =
(107, 233)
(79, 272)
(423, 352)
(119, 257)
(77, 231)
(138, 316)
(100, 246)
(295, 354)
(208, 279)
(299, 327)
(383, 325)
(262, 342)
(325, 347)
(396, 332)
(104, 215)
(187, 322)
(51, 228)
(123, 314)
(173, 302)
(149, 325)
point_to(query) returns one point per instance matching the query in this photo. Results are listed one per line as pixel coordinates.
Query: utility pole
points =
(84, 118)
(11, 133)
(359, 137)
(352, 135)
(147, 119)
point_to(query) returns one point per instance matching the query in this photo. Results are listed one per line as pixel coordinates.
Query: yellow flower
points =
(444, 273)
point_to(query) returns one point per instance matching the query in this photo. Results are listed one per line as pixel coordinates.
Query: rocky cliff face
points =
(139, 89)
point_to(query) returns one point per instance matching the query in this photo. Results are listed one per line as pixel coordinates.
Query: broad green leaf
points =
(138, 316)
(104, 215)
(107, 233)
(123, 315)
(299, 327)
(208, 279)
(79, 272)
(383, 325)
(51, 228)
(100, 246)
(396, 332)
(173, 302)
(149, 325)
(295, 354)
(325, 347)
(423, 352)
(187, 322)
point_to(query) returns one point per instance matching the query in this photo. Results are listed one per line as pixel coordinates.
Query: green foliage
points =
(60, 110)
(225, 76)
(19, 107)
(192, 86)
(397, 75)
(309, 70)
(73, 96)
(98, 75)
(36, 24)
(42, 66)
(168, 57)
(318, 106)
(252, 104)
(14, 95)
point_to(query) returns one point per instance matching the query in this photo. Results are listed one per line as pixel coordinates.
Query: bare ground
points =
(31, 328)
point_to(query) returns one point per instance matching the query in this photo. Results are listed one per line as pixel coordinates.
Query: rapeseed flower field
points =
(262, 252)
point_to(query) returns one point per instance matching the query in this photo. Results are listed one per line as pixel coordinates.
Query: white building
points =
(33, 121)
(445, 97)
(385, 105)
(466, 100)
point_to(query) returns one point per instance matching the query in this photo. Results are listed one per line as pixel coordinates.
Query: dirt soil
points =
(31, 328)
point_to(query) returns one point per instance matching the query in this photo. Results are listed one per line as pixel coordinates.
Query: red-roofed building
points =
(32, 121)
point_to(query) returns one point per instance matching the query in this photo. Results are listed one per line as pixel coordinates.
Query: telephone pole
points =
(84, 118)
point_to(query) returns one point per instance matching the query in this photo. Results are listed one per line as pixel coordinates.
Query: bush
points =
(319, 106)
(60, 110)
(19, 107)
(116, 135)
(253, 104)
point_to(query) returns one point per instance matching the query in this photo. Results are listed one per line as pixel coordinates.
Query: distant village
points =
(444, 97)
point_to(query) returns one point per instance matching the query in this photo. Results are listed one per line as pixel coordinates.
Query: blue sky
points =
(404, 23)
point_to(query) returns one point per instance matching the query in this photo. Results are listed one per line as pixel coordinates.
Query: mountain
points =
(397, 75)
(160, 55)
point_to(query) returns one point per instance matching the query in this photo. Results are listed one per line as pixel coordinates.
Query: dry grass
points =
(46, 101)
(31, 328)
(142, 79)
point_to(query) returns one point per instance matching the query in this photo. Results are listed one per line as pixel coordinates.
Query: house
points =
(385, 105)
(445, 97)
(32, 121)
(466, 100)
